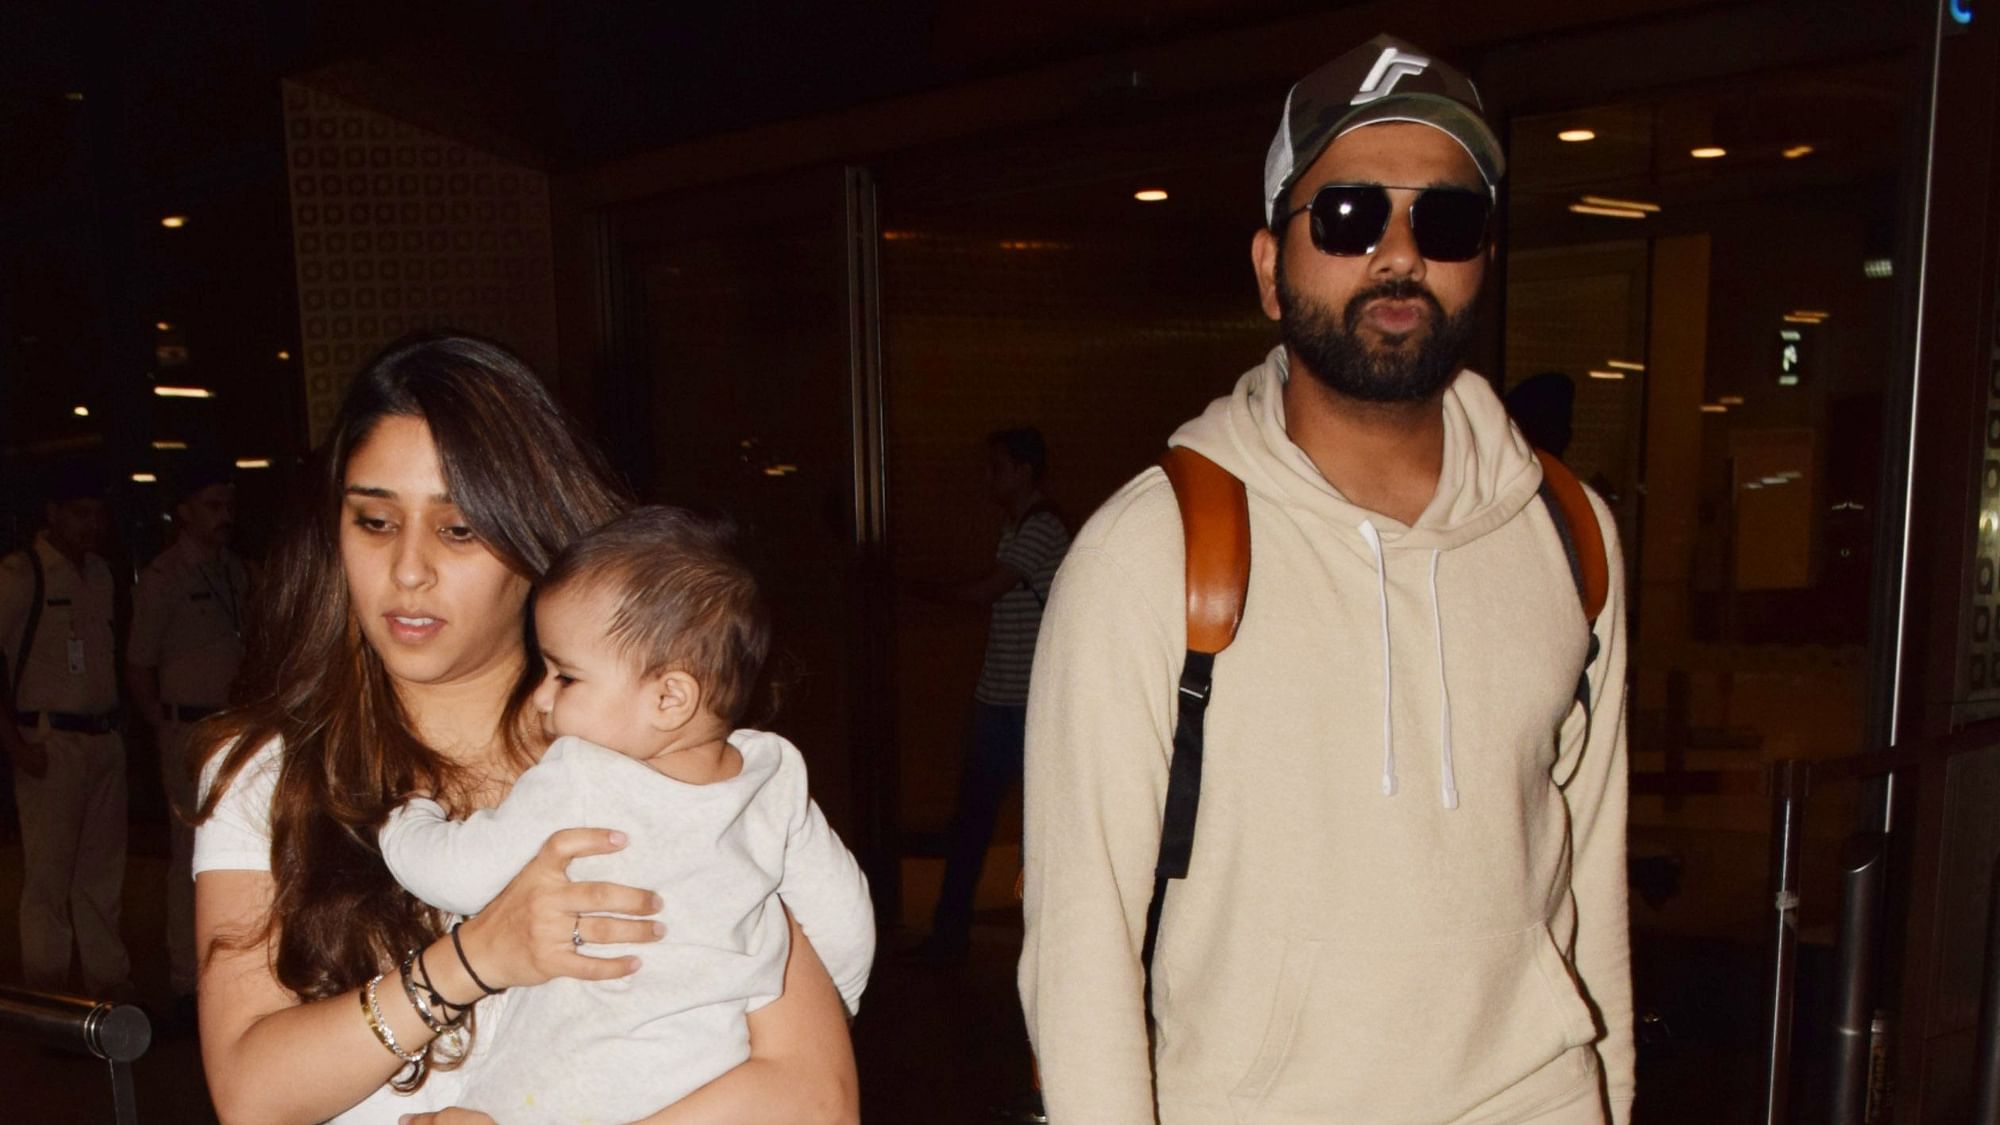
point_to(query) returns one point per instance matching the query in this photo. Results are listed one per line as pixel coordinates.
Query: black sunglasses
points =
(1350, 219)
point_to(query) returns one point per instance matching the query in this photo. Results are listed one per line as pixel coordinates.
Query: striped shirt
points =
(1032, 548)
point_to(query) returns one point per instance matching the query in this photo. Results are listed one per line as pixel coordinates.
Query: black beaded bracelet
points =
(459, 948)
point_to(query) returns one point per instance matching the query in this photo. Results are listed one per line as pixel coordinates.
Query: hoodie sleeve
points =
(1098, 742)
(1594, 750)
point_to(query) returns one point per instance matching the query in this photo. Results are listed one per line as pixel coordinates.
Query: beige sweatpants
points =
(73, 852)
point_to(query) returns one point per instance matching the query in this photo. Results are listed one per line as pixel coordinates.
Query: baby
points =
(655, 637)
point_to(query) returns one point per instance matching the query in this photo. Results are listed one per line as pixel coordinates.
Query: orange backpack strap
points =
(1583, 539)
(1215, 523)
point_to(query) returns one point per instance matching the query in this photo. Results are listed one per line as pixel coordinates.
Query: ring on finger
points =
(576, 933)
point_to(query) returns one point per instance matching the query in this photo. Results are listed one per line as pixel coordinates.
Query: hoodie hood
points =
(1489, 473)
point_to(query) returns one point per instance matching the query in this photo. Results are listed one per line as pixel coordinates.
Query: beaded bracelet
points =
(373, 1010)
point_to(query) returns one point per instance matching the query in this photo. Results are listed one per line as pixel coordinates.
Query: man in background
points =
(186, 644)
(61, 736)
(1016, 587)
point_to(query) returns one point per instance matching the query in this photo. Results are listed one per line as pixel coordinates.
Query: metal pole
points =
(116, 1033)
(124, 1100)
(1862, 867)
(1788, 792)
(1987, 1108)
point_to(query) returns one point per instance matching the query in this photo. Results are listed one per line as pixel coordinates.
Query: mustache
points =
(1397, 289)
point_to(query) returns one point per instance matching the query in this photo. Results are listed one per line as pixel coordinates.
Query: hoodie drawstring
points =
(1448, 786)
(1448, 791)
(1374, 539)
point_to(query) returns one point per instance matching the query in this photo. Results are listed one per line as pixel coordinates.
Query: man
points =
(1406, 901)
(61, 734)
(185, 646)
(1016, 586)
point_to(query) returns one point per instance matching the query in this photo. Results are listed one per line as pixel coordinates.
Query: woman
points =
(392, 654)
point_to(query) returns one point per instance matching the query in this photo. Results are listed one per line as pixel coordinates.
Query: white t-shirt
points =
(238, 838)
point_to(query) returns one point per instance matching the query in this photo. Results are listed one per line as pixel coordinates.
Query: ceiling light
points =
(80, 410)
(1795, 318)
(1607, 374)
(73, 96)
(1151, 195)
(1608, 212)
(1730, 400)
(174, 222)
(1796, 151)
(253, 462)
(143, 478)
(183, 392)
(1708, 152)
(1714, 408)
(284, 355)
(1575, 136)
(163, 326)
(1626, 204)
(170, 445)
(1624, 365)
(1878, 267)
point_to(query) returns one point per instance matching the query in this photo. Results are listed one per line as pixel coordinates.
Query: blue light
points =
(1961, 11)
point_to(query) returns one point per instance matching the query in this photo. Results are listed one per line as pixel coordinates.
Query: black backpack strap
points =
(28, 631)
(1215, 525)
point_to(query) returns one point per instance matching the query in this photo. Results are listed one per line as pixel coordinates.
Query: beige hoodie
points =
(1407, 897)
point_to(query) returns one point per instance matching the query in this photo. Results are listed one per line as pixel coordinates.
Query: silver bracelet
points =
(380, 1026)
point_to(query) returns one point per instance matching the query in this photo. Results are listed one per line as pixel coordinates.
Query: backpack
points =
(1215, 523)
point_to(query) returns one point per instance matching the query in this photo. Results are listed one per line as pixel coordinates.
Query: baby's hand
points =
(452, 1116)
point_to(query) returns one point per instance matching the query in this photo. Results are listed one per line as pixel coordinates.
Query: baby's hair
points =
(681, 600)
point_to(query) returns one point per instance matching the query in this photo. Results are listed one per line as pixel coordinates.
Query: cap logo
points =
(1391, 67)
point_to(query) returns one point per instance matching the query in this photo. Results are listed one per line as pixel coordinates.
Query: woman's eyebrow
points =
(375, 493)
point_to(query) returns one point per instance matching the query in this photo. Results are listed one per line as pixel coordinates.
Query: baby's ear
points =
(677, 700)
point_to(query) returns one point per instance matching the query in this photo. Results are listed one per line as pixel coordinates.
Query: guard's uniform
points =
(187, 619)
(72, 817)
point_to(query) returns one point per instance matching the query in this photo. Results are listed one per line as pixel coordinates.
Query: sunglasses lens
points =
(1450, 224)
(1348, 220)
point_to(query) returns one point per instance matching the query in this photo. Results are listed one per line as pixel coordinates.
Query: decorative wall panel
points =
(397, 229)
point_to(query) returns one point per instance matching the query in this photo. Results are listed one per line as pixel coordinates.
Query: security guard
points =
(186, 644)
(61, 733)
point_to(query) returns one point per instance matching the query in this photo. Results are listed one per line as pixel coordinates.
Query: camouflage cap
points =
(1384, 79)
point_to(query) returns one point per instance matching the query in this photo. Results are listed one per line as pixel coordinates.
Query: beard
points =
(1407, 367)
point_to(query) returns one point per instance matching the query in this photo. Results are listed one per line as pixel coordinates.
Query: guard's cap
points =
(1384, 79)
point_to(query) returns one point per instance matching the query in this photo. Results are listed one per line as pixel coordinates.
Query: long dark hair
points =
(528, 484)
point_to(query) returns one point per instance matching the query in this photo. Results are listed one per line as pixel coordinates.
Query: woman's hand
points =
(452, 1116)
(523, 936)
